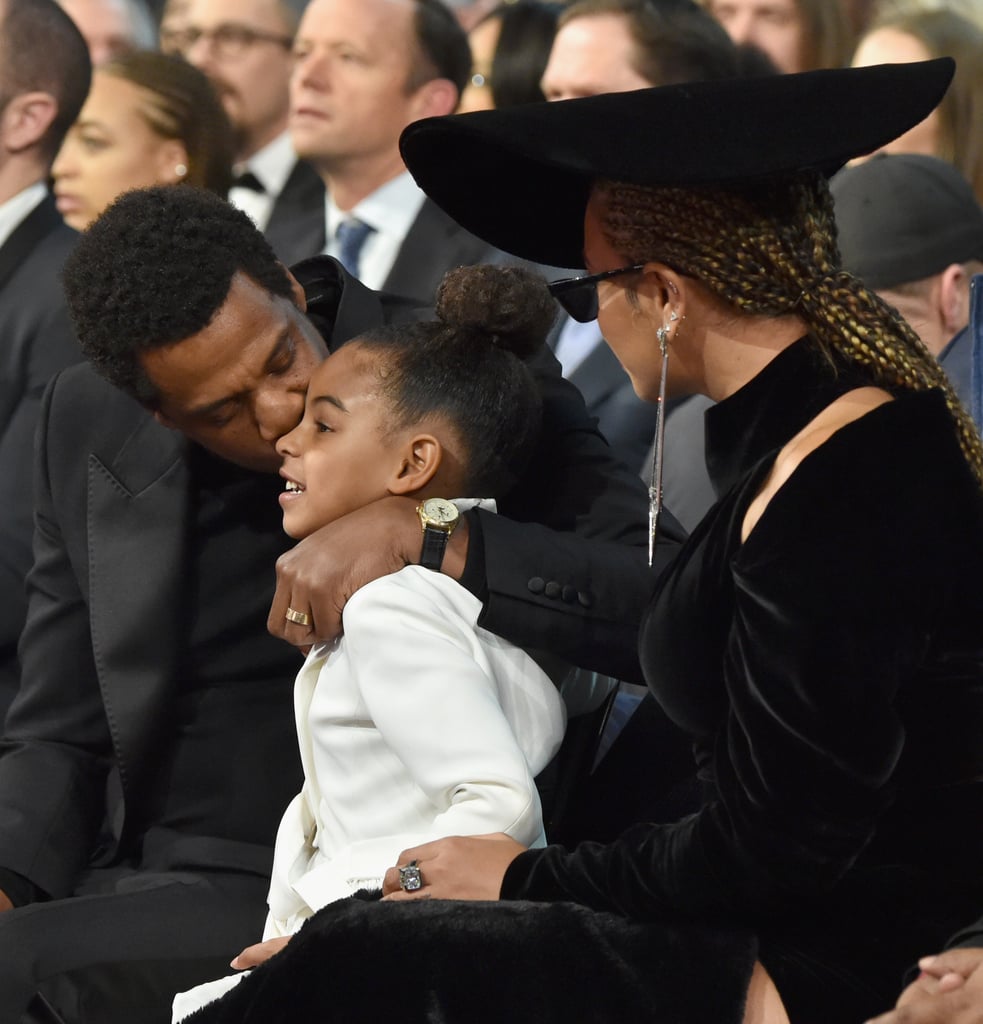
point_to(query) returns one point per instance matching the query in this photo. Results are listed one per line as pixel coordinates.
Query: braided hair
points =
(770, 249)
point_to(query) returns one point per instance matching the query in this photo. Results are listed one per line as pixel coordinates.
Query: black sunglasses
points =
(578, 295)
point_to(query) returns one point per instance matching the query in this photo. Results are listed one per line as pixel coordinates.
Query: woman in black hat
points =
(819, 636)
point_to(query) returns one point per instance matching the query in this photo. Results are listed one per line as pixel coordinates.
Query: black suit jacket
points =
(105, 592)
(296, 225)
(434, 244)
(36, 341)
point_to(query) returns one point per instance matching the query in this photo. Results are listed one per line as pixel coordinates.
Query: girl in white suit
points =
(417, 723)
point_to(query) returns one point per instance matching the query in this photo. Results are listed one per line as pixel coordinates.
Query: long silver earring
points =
(655, 476)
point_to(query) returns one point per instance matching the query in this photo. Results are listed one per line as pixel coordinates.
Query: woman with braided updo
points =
(819, 636)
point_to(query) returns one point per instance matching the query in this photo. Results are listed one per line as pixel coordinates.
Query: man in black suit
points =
(365, 69)
(150, 751)
(616, 46)
(245, 51)
(44, 78)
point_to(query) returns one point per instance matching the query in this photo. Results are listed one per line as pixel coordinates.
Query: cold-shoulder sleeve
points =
(852, 616)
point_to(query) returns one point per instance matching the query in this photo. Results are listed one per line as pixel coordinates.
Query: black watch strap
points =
(434, 546)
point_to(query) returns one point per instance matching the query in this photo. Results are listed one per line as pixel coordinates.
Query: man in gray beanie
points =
(911, 228)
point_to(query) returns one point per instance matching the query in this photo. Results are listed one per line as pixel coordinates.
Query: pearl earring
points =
(180, 170)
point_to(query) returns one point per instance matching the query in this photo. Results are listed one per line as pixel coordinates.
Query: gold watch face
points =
(440, 512)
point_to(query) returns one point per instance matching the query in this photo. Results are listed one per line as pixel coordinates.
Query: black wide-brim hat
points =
(520, 177)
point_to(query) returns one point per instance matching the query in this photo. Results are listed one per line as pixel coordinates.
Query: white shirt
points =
(272, 166)
(16, 209)
(575, 343)
(390, 212)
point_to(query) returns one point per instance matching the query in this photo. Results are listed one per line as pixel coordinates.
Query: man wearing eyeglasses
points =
(244, 46)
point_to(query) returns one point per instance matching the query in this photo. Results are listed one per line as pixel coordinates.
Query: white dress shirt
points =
(390, 212)
(272, 166)
(18, 207)
(575, 343)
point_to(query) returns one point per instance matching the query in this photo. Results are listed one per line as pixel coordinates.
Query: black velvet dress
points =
(830, 670)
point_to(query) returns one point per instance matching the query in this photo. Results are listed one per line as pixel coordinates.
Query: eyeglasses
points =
(229, 40)
(578, 295)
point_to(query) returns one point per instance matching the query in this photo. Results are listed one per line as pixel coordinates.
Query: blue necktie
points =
(351, 237)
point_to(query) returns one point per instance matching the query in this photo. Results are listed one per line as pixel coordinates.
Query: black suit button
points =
(586, 599)
(553, 589)
(569, 594)
(536, 584)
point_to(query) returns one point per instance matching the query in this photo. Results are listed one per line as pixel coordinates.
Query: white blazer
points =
(416, 724)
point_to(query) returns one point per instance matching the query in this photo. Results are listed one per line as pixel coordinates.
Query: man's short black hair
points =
(154, 269)
(443, 50)
(42, 50)
(675, 41)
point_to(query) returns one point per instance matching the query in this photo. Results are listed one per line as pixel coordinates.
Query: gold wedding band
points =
(301, 618)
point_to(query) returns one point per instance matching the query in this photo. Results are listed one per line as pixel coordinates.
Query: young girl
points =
(417, 723)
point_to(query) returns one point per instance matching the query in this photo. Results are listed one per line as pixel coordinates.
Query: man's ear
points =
(419, 460)
(26, 119)
(434, 98)
(954, 298)
(296, 290)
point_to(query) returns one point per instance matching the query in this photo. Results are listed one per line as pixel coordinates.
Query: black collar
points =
(772, 408)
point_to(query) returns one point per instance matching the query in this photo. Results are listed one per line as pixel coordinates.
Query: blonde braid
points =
(771, 250)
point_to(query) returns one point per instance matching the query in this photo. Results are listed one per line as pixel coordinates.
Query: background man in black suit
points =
(151, 750)
(615, 46)
(364, 70)
(244, 48)
(44, 79)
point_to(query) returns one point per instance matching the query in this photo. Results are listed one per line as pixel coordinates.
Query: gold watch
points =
(438, 518)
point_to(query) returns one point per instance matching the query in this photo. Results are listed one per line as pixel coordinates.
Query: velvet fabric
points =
(830, 670)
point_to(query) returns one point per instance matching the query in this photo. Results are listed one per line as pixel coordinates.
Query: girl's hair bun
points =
(510, 306)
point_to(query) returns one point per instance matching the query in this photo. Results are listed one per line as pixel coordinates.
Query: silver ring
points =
(410, 877)
(301, 618)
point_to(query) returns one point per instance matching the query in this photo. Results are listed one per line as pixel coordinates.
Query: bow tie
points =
(248, 180)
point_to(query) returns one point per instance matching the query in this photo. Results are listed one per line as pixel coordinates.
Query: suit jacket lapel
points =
(296, 225)
(38, 223)
(423, 254)
(137, 519)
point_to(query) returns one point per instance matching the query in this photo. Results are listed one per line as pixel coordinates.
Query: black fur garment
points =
(453, 962)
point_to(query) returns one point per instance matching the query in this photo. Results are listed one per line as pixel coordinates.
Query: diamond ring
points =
(410, 877)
